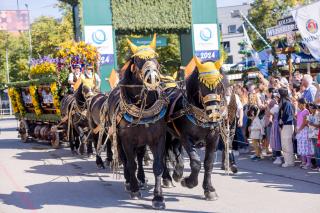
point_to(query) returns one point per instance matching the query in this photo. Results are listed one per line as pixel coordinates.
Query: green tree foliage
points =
(169, 56)
(46, 33)
(265, 13)
(17, 46)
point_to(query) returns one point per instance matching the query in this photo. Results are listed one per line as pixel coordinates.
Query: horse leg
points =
(169, 157)
(146, 157)
(131, 167)
(99, 161)
(209, 190)
(158, 151)
(195, 164)
(89, 148)
(122, 157)
(178, 169)
(140, 174)
(109, 153)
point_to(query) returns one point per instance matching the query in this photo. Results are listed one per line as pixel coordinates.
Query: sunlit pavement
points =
(36, 178)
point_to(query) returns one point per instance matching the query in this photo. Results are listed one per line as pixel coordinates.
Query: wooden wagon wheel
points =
(55, 139)
(23, 130)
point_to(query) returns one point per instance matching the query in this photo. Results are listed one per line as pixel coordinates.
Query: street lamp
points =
(30, 41)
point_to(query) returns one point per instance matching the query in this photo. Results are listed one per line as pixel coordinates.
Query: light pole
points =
(30, 41)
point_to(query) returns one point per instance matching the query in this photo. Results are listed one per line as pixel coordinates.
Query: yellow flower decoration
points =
(43, 68)
(35, 100)
(16, 101)
(55, 95)
(13, 100)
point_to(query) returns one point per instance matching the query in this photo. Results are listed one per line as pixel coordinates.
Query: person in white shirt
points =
(74, 75)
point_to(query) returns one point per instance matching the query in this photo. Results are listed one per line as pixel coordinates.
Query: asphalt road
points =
(36, 178)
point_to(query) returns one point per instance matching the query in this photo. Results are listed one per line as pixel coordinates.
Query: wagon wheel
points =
(23, 130)
(55, 140)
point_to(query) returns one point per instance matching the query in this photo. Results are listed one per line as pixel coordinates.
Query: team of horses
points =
(142, 112)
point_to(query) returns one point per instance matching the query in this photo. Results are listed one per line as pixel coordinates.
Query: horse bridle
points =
(216, 114)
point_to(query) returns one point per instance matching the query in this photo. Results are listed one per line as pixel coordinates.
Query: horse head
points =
(145, 65)
(210, 88)
(87, 92)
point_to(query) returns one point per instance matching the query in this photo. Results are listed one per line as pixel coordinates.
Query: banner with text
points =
(308, 19)
(102, 37)
(206, 41)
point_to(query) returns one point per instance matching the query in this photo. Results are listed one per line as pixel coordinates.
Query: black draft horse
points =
(196, 116)
(72, 107)
(136, 111)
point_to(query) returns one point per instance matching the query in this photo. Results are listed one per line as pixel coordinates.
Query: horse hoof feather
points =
(211, 196)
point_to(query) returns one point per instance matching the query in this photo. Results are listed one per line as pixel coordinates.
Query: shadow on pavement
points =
(285, 179)
(79, 194)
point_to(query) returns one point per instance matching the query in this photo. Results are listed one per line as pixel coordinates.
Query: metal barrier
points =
(5, 111)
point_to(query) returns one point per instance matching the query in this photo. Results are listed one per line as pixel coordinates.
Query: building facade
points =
(230, 23)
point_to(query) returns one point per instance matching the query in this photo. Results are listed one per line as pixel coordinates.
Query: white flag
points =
(307, 19)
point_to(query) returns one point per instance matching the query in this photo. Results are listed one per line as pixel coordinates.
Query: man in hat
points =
(89, 78)
(74, 76)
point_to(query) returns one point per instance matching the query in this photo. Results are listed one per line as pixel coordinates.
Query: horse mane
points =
(192, 84)
(79, 96)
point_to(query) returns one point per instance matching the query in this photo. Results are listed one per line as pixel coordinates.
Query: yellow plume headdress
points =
(209, 73)
(144, 51)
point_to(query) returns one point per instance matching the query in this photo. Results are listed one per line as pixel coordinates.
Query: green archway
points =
(195, 21)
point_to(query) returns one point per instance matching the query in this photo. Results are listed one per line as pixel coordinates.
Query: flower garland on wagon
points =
(43, 67)
(55, 95)
(13, 100)
(35, 99)
(16, 100)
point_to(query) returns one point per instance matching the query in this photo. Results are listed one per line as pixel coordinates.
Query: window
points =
(229, 59)
(226, 46)
(235, 14)
(232, 29)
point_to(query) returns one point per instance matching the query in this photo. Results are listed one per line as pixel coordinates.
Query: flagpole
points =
(30, 40)
(255, 30)
(7, 69)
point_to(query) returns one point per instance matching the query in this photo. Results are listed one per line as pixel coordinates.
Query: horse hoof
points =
(177, 178)
(142, 186)
(211, 196)
(127, 187)
(108, 163)
(167, 183)
(135, 195)
(186, 183)
(158, 203)
(100, 166)
(234, 169)
(74, 152)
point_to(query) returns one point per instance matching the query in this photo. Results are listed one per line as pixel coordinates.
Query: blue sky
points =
(47, 7)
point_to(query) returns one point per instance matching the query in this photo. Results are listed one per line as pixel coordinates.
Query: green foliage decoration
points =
(148, 16)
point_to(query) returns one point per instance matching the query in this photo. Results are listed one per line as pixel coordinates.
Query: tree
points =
(47, 34)
(265, 13)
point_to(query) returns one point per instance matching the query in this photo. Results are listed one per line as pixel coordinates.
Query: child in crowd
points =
(314, 125)
(256, 132)
(303, 142)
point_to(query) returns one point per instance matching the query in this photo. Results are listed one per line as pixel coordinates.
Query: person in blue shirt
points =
(310, 91)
